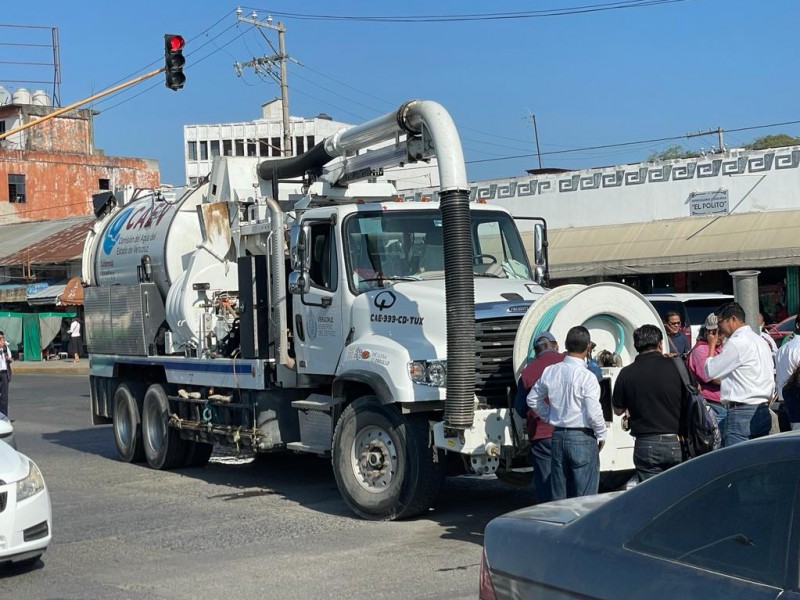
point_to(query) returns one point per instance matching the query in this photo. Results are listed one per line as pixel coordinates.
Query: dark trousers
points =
(541, 456)
(575, 463)
(653, 454)
(4, 392)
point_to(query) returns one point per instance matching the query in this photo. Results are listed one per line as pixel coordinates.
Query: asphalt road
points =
(238, 528)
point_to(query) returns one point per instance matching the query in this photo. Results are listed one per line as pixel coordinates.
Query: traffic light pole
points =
(79, 103)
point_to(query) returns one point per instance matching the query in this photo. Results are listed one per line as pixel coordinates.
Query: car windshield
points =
(699, 309)
(391, 246)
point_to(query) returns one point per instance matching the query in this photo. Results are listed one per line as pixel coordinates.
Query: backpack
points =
(699, 430)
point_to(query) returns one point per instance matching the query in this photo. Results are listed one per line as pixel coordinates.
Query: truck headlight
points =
(32, 484)
(428, 372)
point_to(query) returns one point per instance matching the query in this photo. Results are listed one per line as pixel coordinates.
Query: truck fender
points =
(369, 378)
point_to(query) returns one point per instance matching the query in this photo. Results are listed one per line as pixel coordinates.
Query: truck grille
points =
(494, 349)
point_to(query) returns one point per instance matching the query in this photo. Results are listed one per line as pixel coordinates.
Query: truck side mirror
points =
(540, 254)
(299, 283)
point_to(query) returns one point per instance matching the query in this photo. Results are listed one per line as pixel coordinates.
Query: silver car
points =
(719, 526)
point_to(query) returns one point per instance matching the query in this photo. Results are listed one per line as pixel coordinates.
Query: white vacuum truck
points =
(338, 321)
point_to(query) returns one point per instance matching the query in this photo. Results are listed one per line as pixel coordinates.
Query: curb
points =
(34, 369)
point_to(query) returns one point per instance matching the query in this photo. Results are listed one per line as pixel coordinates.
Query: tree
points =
(673, 152)
(773, 141)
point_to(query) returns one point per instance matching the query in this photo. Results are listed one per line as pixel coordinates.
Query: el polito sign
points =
(708, 203)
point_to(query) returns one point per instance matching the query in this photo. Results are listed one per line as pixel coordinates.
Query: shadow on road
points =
(465, 505)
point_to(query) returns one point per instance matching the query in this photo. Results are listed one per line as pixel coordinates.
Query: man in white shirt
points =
(744, 368)
(788, 358)
(573, 409)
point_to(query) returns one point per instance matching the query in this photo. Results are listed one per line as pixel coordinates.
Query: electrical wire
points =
(532, 14)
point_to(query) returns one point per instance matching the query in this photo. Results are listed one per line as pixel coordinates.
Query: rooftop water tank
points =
(40, 98)
(21, 96)
(5, 96)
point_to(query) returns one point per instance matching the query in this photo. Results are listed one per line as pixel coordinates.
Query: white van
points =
(693, 308)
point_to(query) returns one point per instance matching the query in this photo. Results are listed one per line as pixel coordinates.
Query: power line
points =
(532, 14)
(628, 144)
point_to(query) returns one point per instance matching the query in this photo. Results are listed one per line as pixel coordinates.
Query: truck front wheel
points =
(127, 424)
(163, 446)
(384, 464)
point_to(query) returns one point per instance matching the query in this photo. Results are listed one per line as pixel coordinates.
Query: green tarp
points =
(33, 331)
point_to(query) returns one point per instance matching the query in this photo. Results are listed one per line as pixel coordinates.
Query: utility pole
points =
(720, 136)
(532, 117)
(281, 57)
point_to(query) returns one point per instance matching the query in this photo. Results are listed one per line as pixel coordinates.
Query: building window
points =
(276, 146)
(16, 188)
(2, 126)
(227, 148)
(192, 150)
(263, 147)
(251, 148)
(309, 141)
(203, 150)
(214, 148)
(194, 181)
(104, 184)
(239, 147)
(299, 147)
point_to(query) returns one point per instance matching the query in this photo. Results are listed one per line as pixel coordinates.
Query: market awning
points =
(721, 242)
(73, 293)
(47, 296)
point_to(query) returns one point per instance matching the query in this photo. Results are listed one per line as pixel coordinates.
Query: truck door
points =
(318, 328)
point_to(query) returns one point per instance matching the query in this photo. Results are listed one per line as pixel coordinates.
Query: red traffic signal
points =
(174, 61)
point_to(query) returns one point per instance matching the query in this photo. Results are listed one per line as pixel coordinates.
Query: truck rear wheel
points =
(383, 461)
(163, 446)
(127, 424)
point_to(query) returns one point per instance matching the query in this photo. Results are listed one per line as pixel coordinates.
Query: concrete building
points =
(678, 225)
(50, 171)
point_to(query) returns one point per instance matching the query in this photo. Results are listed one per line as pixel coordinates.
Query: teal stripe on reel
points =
(620, 337)
(544, 324)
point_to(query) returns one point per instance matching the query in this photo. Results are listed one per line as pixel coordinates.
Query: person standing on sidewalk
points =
(75, 345)
(744, 368)
(678, 343)
(573, 409)
(709, 388)
(540, 434)
(651, 391)
(5, 373)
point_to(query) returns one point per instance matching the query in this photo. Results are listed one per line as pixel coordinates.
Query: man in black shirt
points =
(651, 391)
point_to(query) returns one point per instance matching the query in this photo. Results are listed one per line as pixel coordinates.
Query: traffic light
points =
(174, 61)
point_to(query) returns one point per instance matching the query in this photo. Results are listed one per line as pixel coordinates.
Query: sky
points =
(661, 69)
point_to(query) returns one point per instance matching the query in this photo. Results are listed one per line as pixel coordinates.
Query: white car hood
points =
(13, 465)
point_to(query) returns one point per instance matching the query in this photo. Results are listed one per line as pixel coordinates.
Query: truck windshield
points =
(392, 246)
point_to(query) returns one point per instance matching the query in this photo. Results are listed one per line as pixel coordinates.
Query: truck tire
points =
(197, 454)
(127, 424)
(163, 446)
(383, 461)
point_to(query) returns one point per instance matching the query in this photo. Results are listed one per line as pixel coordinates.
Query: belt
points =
(583, 429)
(730, 404)
(658, 435)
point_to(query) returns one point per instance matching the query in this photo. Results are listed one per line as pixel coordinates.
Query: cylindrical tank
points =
(21, 96)
(40, 98)
(5, 96)
(167, 232)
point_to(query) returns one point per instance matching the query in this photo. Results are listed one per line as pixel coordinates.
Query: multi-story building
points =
(50, 171)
